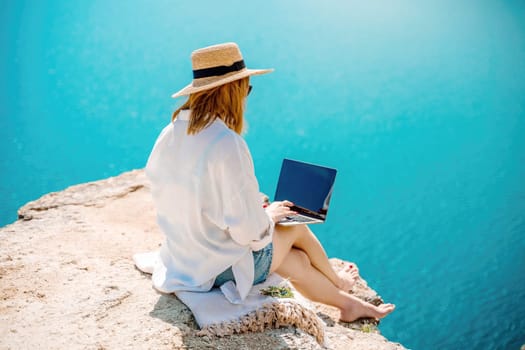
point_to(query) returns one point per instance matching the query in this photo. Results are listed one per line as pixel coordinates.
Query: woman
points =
(209, 206)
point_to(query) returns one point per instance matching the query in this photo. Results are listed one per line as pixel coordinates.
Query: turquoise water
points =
(419, 105)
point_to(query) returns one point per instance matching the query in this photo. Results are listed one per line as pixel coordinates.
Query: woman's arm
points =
(247, 222)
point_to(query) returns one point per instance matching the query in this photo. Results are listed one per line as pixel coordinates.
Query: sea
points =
(419, 105)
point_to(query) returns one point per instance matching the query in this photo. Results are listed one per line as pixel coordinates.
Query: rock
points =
(67, 280)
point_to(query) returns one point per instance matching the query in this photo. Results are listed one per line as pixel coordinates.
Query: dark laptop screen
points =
(306, 185)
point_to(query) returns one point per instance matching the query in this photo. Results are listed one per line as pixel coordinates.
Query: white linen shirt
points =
(208, 207)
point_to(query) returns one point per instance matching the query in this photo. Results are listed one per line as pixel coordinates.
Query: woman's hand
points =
(280, 210)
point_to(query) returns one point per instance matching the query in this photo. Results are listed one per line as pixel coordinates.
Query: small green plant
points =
(366, 328)
(277, 291)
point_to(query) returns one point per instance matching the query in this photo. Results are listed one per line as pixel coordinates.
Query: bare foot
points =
(361, 309)
(347, 277)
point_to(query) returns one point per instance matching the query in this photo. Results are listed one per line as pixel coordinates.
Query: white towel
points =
(215, 312)
(213, 307)
(217, 305)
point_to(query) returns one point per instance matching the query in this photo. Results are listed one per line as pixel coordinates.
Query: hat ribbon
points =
(218, 70)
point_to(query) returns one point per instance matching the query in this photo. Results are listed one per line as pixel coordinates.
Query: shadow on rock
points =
(172, 311)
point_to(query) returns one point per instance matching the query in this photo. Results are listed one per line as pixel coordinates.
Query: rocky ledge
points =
(67, 280)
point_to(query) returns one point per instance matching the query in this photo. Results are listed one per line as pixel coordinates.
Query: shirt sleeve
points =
(246, 220)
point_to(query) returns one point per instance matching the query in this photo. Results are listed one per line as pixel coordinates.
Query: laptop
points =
(309, 187)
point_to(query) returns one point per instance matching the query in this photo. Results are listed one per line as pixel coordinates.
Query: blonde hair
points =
(225, 102)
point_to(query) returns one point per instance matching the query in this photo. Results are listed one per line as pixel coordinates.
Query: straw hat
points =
(217, 65)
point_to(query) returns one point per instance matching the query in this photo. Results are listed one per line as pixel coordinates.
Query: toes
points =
(387, 307)
(353, 275)
(352, 268)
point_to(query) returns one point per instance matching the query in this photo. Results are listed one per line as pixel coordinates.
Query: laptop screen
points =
(306, 185)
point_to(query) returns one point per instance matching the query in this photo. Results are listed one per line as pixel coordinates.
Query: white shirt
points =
(208, 207)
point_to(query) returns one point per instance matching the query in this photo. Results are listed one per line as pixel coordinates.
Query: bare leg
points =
(314, 285)
(300, 236)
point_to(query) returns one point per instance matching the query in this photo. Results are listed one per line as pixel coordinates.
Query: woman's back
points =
(196, 181)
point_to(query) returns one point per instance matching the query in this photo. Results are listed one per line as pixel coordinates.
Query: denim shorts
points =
(262, 259)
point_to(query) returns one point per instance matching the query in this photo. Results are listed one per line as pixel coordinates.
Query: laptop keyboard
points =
(299, 218)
